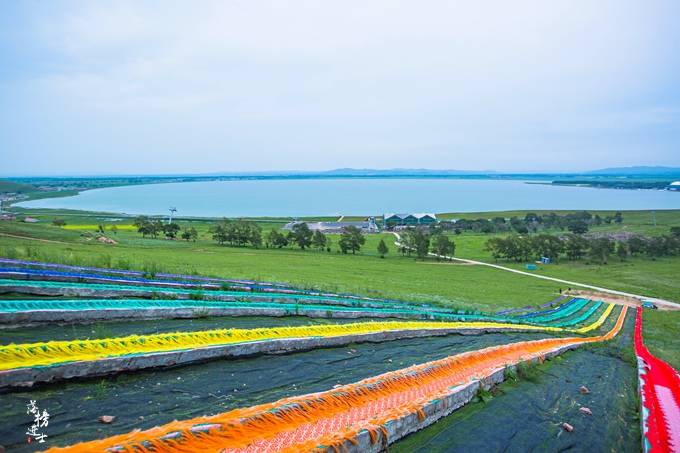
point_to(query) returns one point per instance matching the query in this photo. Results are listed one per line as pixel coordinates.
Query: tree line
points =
(575, 222)
(242, 233)
(147, 226)
(421, 242)
(237, 233)
(351, 239)
(574, 247)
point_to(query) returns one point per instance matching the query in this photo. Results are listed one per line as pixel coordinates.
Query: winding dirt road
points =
(661, 303)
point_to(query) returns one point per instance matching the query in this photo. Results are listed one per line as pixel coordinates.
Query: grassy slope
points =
(639, 275)
(660, 331)
(395, 276)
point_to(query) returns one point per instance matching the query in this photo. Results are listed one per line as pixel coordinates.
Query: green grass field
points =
(396, 276)
(640, 275)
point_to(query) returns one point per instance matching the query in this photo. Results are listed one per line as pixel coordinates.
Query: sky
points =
(134, 87)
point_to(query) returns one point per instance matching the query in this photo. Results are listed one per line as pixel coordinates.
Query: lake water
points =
(330, 197)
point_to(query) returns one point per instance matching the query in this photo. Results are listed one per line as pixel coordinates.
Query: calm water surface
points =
(331, 197)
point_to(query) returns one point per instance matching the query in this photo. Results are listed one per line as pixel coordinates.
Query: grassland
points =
(660, 329)
(395, 276)
(469, 287)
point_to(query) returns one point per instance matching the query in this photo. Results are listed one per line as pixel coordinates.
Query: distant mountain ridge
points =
(637, 171)
(402, 171)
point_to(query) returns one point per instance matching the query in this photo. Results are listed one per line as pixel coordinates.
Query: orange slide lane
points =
(307, 422)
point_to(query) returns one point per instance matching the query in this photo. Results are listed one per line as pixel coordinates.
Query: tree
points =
(521, 248)
(496, 246)
(382, 248)
(144, 229)
(622, 251)
(219, 233)
(618, 218)
(655, 247)
(546, 245)
(407, 242)
(600, 249)
(443, 246)
(155, 227)
(277, 239)
(675, 231)
(422, 243)
(531, 217)
(140, 220)
(672, 245)
(59, 222)
(190, 234)
(575, 246)
(518, 225)
(513, 247)
(143, 224)
(636, 245)
(237, 232)
(302, 235)
(351, 239)
(254, 234)
(319, 240)
(552, 220)
(486, 227)
(578, 226)
(171, 230)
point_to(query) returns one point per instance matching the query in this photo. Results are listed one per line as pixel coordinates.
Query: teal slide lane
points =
(567, 311)
(14, 306)
(581, 317)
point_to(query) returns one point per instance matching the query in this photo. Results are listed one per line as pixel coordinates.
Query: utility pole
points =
(172, 211)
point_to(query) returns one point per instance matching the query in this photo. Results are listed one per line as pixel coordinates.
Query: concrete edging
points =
(139, 292)
(36, 317)
(26, 377)
(434, 410)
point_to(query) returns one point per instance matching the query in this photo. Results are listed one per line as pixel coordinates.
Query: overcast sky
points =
(104, 87)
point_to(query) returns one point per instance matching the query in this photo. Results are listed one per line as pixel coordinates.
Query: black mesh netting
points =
(526, 415)
(54, 332)
(149, 398)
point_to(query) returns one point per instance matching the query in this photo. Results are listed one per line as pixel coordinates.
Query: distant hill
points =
(637, 171)
(401, 171)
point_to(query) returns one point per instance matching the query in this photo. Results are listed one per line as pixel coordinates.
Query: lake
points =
(352, 196)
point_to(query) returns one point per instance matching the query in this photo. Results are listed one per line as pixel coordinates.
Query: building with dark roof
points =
(421, 218)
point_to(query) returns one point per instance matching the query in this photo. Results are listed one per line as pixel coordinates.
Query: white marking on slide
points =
(671, 413)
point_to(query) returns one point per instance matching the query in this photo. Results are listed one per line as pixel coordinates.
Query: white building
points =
(367, 226)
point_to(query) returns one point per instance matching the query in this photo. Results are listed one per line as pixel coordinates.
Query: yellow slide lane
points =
(53, 352)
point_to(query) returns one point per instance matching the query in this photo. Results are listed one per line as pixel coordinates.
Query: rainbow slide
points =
(659, 397)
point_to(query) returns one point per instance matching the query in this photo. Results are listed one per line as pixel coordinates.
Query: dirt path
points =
(661, 303)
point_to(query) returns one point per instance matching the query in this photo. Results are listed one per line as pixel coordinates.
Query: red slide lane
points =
(660, 398)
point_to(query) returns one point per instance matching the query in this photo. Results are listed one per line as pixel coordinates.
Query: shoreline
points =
(56, 212)
(16, 206)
